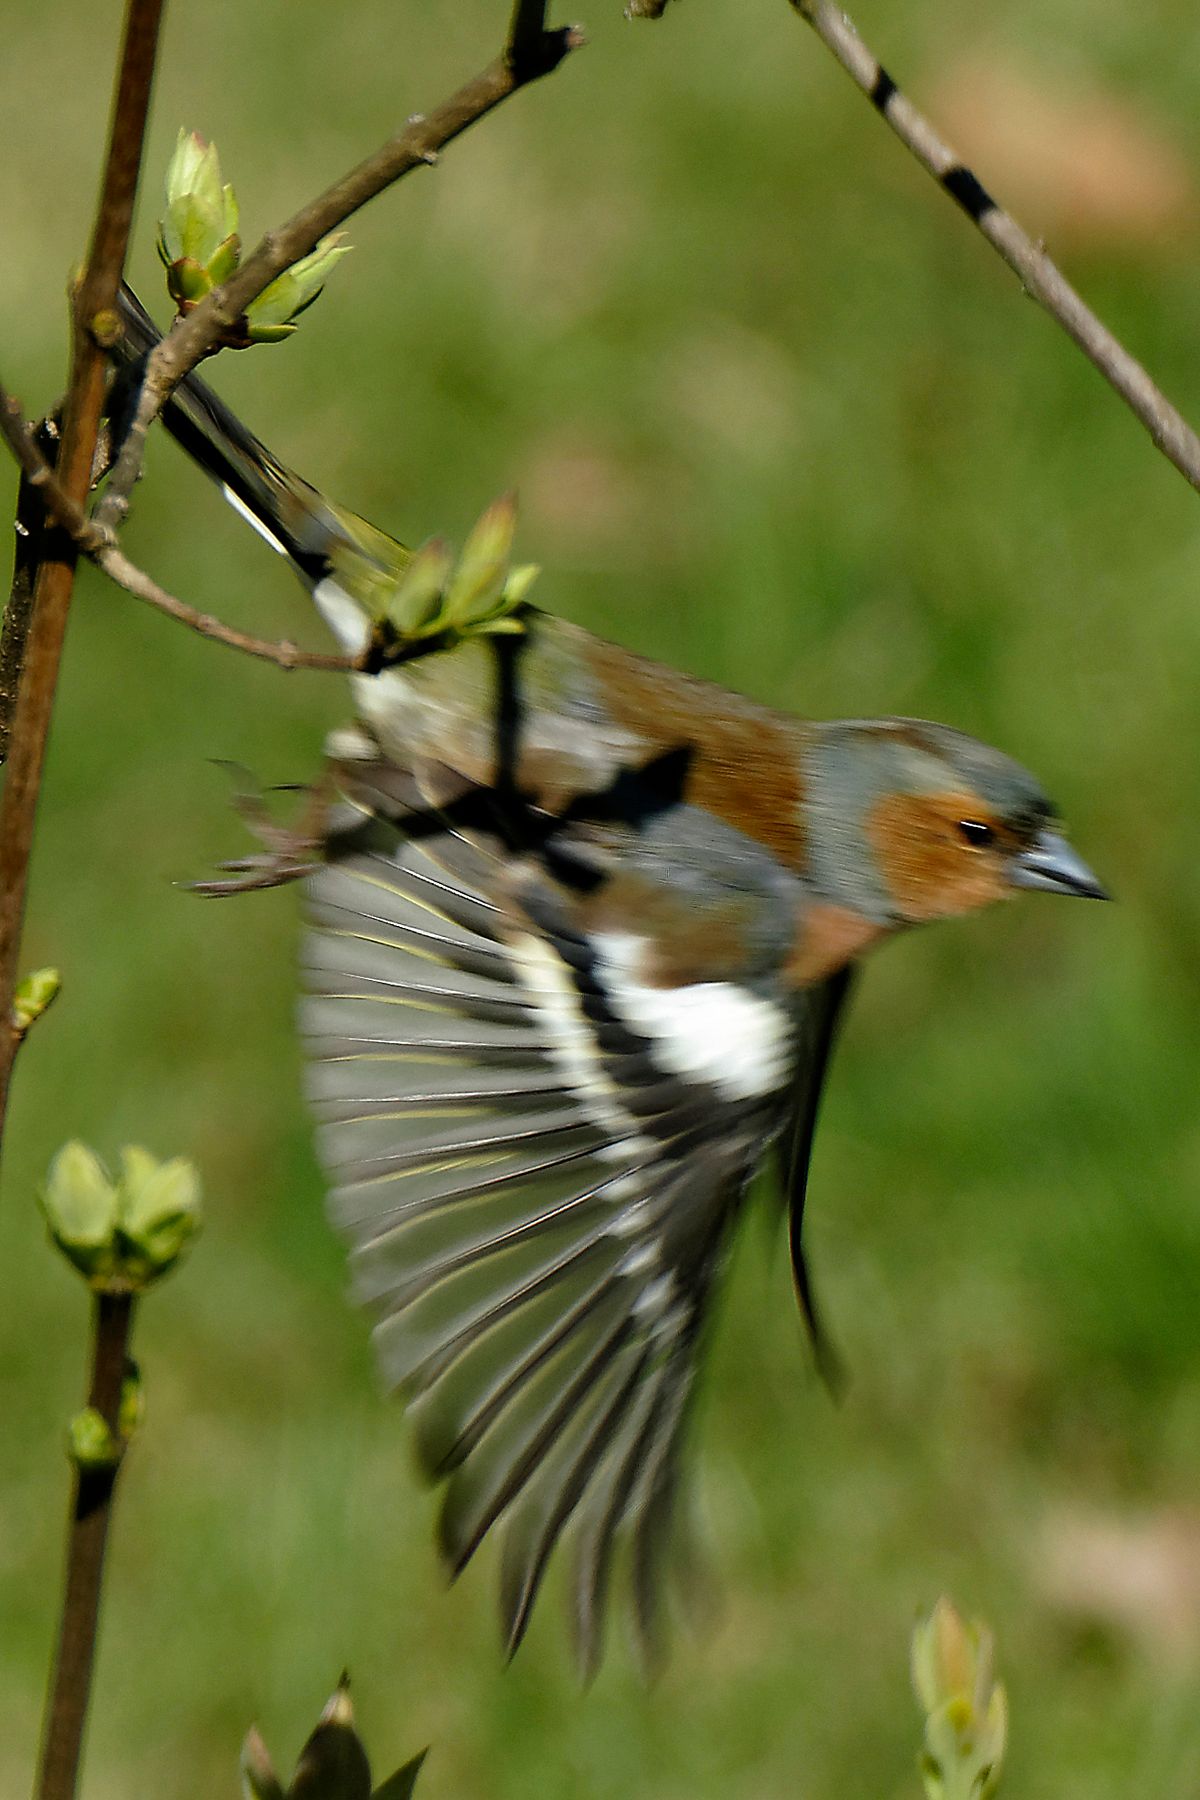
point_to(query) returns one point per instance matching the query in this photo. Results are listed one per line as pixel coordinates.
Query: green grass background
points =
(778, 416)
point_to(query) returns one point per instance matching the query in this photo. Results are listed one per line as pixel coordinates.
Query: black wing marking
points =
(537, 1209)
(821, 1020)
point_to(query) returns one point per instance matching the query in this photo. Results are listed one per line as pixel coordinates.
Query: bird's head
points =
(909, 822)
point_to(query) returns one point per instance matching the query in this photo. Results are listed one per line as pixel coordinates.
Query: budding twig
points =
(87, 1539)
(283, 652)
(1038, 274)
(99, 543)
(530, 51)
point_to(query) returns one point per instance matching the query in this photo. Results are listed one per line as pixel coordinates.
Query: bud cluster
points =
(437, 601)
(966, 1709)
(122, 1233)
(333, 1764)
(199, 245)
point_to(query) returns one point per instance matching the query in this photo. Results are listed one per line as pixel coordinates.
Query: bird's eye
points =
(976, 833)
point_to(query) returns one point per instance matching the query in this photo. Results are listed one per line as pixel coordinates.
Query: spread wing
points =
(538, 1166)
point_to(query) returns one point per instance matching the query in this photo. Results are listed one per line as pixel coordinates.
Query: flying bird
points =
(581, 929)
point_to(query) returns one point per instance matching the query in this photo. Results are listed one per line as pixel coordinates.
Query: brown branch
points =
(284, 653)
(530, 51)
(94, 321)
(87, 1539)
(1038, 274)
(98, 542)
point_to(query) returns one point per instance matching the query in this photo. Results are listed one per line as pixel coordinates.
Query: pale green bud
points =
(79, 1201)
(158, 1211)
(198, 232)
(90, 1441)
(131, 1408)
(123, 1234)
(478, 581)
(270, 317)
(33, 996)
(519, 584)
(416, 601)
(966, 1722)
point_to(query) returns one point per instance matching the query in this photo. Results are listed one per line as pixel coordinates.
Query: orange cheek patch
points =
(928, 871)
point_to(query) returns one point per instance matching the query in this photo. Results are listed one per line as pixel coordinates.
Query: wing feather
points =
(538, 1203)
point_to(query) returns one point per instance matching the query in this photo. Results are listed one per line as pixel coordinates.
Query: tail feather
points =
(291, 514)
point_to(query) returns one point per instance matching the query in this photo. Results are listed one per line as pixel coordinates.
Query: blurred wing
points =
(538, 1204)
(820, 1020)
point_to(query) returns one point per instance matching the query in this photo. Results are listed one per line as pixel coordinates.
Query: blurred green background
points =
(777, 415)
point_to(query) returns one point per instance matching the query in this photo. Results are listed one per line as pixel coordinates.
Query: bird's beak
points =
(1050, 864)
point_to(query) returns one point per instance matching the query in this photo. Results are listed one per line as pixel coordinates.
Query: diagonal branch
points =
(1038, 274)
(283, 653)
(530, 51)
(94, 322)
(47, 506)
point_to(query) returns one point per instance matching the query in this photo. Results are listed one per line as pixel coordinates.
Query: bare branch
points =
(98, 542)
(95, 319)
(285, 654)
(1038, 274)
(530, 52)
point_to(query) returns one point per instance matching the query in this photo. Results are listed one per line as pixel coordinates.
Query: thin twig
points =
(97, 541)
(530, 51)
(1038, 274)
(94, 321)
(283, 652)
(87, 1538)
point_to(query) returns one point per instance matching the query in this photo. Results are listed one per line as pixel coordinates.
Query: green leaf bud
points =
(519, 584)
(270, 317)
(90, 1441)
(131, 1408)
(416, 601)
(38, 991)
(198, 232)
(158, 1211)
(966, 1722)
(79, 1201)
(479, 579)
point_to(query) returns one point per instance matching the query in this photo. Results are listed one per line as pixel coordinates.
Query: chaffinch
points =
(582, 928)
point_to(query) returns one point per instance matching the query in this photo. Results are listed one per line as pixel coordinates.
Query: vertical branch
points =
(95, 323)
(87, 1538)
